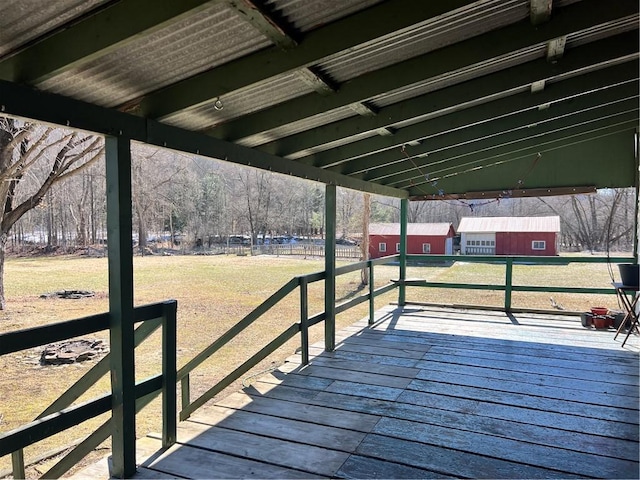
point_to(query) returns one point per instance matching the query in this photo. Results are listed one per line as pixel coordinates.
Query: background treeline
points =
(187, 202)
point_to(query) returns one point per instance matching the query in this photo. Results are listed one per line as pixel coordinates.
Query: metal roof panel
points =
(241, 102)
(24, 20)
(435, 33)
(509, 224)
(304, 15)
(191, 45)
(439, 229)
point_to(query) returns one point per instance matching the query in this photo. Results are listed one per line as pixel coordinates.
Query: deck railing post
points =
(185, 394)
(404, 207)
(17, 464)
(372, 309)
(304, 318)
(169, 370)
(121, 330)
(508, 284)
(330, 269)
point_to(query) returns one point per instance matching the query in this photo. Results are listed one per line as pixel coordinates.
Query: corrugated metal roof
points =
(297, 127)
(509, 224)
(304, 15)
(438, 32)
(442, 81)
(25, 20)
(439, 229)
(180, 50)
(243, 101)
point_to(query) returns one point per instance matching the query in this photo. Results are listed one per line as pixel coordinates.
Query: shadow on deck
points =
(427, 393)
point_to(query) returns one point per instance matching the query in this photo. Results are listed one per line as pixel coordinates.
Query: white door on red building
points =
(448, 246)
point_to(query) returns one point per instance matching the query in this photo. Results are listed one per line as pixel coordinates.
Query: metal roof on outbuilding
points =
(433, 229)
(509, 224)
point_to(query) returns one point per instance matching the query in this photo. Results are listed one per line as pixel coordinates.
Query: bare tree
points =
(594, 222)
(257, 192)
(23, 145)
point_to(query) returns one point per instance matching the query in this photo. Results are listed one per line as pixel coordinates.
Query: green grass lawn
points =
(213, 293)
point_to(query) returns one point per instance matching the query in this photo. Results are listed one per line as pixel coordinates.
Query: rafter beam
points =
(517, 193)
(275, 29)
(540, 11)
(96, 35)
(604, 160)
(21, 101)
(445, 99)
(490, 118)
(315, 81)
(474, 153)
(384, 18)
(527, 127)
(575, 17)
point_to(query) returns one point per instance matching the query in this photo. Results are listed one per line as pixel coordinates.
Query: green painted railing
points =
(509, 261)
(302, 326)
(60, 415)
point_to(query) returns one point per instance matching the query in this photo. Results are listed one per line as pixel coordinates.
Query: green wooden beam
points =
(330, 269)
(520, 76)
(482, 122)
(553, 128)
(508, 157)
(636, 216)
(572, 18)
(121, 332)
(96, 35)
(382, 19)
(183, 140)
(22, 101)
(525, 146)
(602, 161)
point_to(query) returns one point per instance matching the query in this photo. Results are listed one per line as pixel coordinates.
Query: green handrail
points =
(60, 415)
(302, 281)
(508, 262)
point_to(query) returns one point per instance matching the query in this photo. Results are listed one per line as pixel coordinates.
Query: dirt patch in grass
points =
(214, 293)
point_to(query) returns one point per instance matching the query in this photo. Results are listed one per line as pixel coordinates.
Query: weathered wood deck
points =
(427, 393)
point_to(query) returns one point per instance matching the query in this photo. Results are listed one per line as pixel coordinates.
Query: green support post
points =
(508, 283)
(402, 290)
(121, 331)
(169, 374)
(330, 269)
(636, 231)
(304, 321)
(372, 308)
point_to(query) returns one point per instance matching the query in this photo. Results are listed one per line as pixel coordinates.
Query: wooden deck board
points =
(282, 453)
(190, 462)
(480, 421)
(519, 451)
(428, 393)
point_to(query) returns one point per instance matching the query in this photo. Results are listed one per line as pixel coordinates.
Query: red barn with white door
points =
(422, 238)
(509, 235)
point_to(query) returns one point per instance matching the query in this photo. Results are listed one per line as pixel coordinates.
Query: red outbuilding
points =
(422, 238)
(509, 235)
